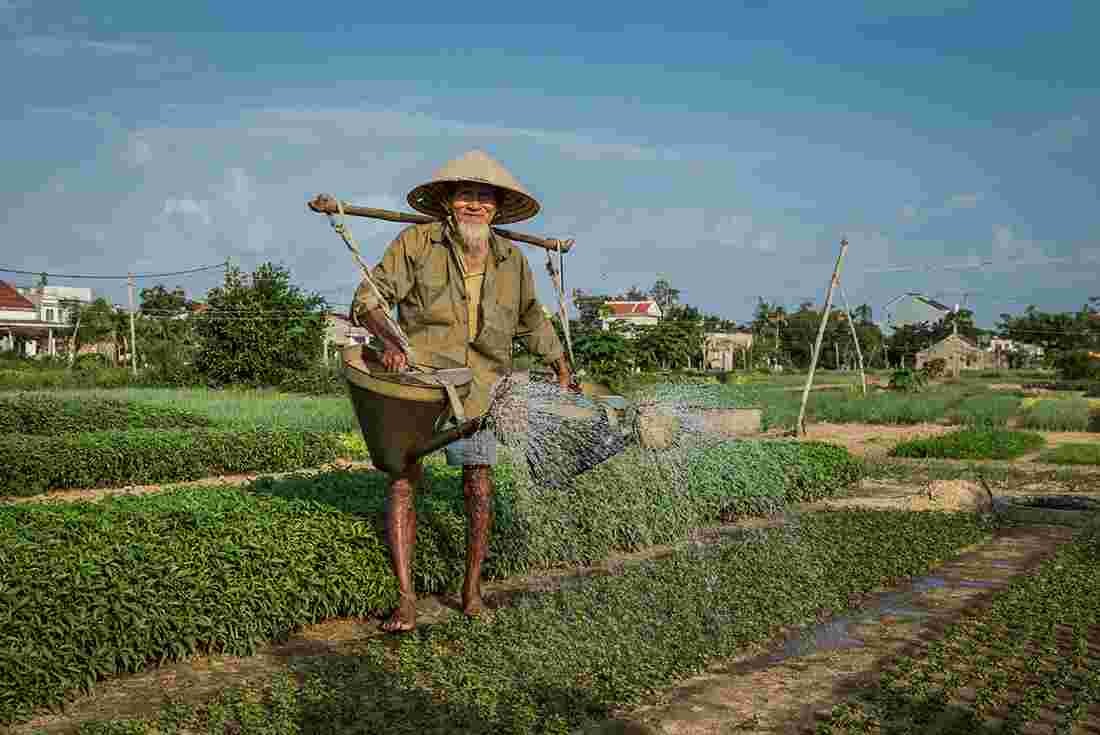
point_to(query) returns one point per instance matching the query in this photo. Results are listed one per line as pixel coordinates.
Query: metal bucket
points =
(401, 413)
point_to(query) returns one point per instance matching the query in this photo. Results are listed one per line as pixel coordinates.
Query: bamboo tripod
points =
(834, 284)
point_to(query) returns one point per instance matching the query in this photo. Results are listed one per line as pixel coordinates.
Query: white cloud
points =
(56, 46)
(188, 207)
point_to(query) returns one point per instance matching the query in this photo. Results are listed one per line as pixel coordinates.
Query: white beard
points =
(475, 236)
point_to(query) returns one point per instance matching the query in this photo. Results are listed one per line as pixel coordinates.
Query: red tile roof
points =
(12, 299)
(624, 308)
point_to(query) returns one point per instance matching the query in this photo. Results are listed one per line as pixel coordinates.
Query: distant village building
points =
(36, 321)
(726, 350)
(1002, 349)
(635, 313)
(913, 308)
(959, 353)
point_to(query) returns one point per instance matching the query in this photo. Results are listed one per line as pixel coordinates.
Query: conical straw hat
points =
(514, 203)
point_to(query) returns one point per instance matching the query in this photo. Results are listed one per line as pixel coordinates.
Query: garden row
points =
(83, 441)
(553, 662)
(952, 404)
(993, 443)
(1030, 658)
(95, 589)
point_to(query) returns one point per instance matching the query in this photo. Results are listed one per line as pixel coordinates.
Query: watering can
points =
(402, 414)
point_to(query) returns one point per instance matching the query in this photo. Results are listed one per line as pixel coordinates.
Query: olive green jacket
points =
(421, 273)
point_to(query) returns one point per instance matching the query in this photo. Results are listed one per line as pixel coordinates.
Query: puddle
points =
(835, 633)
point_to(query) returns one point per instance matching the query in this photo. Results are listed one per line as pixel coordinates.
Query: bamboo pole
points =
(321, 205)
(800, 428)
(855, 338)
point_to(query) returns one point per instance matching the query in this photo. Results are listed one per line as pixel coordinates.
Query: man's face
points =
(474, 204)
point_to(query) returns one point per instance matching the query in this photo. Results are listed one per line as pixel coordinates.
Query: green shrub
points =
(1060, 414)
(908, 380)
(552, 663)
(977, 443)
(34, 464)
(105, 588)
(49, 414)
(1077, 365)
(1093, 391)
(1072, 454)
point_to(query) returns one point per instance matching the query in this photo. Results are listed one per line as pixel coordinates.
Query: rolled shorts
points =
(481, 448)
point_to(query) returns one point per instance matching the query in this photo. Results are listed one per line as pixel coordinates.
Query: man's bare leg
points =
(401, 538)
(477, 486)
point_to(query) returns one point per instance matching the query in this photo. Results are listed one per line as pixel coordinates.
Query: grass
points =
(879, 407)
(1088, 454)
(971, 443)
(554, 662)
(985, 409)
(246, 408)
(1059, 414)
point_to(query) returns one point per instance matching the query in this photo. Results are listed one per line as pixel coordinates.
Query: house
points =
(1001, 349)
(340, 332)
(958, 352)
(35, 321)
(913, 308)
(633, 313)
(725, 350)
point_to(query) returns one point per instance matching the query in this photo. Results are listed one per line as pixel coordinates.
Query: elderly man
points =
(462, 295)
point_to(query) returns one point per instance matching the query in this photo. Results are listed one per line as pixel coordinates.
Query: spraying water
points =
(562, 434)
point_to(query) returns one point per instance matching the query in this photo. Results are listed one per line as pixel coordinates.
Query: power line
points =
(187, 272)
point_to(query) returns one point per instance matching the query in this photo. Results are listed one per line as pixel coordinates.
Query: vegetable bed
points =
(1027, 661)
(553, 661)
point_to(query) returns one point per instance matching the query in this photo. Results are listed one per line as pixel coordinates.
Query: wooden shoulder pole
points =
(800, 429)
(323, 205)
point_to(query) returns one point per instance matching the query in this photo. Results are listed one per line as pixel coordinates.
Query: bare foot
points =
(403, 618)
(472, 606)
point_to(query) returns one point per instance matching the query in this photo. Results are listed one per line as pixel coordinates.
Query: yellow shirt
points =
(473, 299)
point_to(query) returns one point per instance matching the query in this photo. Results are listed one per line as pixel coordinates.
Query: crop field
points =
(97, 596)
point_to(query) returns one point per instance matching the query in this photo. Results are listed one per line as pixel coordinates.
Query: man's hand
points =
(392, 357)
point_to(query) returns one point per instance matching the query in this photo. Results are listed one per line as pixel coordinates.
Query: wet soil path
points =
(786, 687)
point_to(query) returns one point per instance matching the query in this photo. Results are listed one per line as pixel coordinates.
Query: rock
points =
(656, 431)
(952, 495)
(733, 422)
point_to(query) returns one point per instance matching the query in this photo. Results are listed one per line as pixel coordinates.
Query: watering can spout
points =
(442, 439)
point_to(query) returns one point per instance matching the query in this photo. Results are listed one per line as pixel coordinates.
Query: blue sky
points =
(728, 147)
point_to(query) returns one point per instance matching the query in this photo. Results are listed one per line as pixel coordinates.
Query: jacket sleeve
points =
(393, 277)
(541, 339)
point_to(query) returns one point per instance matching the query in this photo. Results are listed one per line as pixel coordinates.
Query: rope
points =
(559, 287)
(345, 234)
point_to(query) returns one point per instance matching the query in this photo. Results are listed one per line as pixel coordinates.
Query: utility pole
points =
(133, 333)
(800, 428)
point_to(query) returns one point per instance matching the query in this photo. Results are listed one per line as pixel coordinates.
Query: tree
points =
(664, 294)
(96, 323)
(43, 280)
(635, 294)
(159, 301)
(258, 328)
